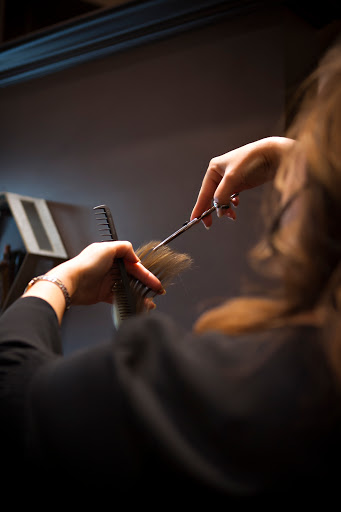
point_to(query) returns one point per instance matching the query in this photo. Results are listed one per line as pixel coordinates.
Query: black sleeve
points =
(119, 412)
(115, 412)
(31, 321)
(156, 408)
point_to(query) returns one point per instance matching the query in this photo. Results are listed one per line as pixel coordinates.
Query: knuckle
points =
(213, 164)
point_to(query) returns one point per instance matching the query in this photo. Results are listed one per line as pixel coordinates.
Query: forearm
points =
(58, 293)
(273, 150)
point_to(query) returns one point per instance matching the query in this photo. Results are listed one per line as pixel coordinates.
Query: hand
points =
(89, 274)
(240, 169)
(88, 278)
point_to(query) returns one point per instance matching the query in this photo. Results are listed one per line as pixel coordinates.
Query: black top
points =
(158, 410)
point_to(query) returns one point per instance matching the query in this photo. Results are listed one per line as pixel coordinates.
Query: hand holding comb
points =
(129, 293)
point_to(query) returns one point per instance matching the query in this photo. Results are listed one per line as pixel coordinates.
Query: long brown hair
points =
(301, 248)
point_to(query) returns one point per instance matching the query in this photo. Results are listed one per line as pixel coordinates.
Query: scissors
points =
(190, 224)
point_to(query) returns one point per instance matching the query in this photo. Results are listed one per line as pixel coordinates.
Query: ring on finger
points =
(222, 206)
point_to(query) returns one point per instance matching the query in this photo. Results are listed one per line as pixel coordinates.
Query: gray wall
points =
(136, 131)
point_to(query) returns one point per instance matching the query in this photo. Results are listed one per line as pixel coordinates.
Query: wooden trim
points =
(112, 30)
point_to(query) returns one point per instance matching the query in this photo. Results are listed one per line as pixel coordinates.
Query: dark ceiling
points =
(23, 17)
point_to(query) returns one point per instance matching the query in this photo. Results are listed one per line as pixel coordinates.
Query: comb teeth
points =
(121, 308)
(124, 304)
(104, 218)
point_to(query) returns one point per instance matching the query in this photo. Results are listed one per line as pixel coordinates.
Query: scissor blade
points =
(184, 228)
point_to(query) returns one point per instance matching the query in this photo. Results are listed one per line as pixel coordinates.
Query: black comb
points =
(124, 304)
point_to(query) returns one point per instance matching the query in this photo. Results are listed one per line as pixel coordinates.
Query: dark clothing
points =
(157, 410)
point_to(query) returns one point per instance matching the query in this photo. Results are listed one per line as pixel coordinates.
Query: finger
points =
(149, 304)
(225, 211)
(209, 185)
(145, 276)
(225, 190)
(231, 214)
(124, 249)
(203, 203)
(235, 200)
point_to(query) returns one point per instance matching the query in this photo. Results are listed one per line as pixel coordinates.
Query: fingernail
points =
(162, 291)
(207, 227)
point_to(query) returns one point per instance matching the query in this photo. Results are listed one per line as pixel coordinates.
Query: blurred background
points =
(125, 103)
(24, 17)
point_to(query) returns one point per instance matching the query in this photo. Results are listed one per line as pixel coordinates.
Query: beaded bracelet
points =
(54, 280)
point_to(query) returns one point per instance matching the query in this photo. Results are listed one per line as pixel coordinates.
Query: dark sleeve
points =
(157, 406)
(29, 339)
(123, 412)
(115, 412)
(31, 321)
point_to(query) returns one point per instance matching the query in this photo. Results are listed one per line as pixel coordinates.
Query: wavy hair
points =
(301, 248)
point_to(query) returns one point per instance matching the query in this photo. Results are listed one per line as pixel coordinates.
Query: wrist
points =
(67, 275)
(54, 280)
(274, 148)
